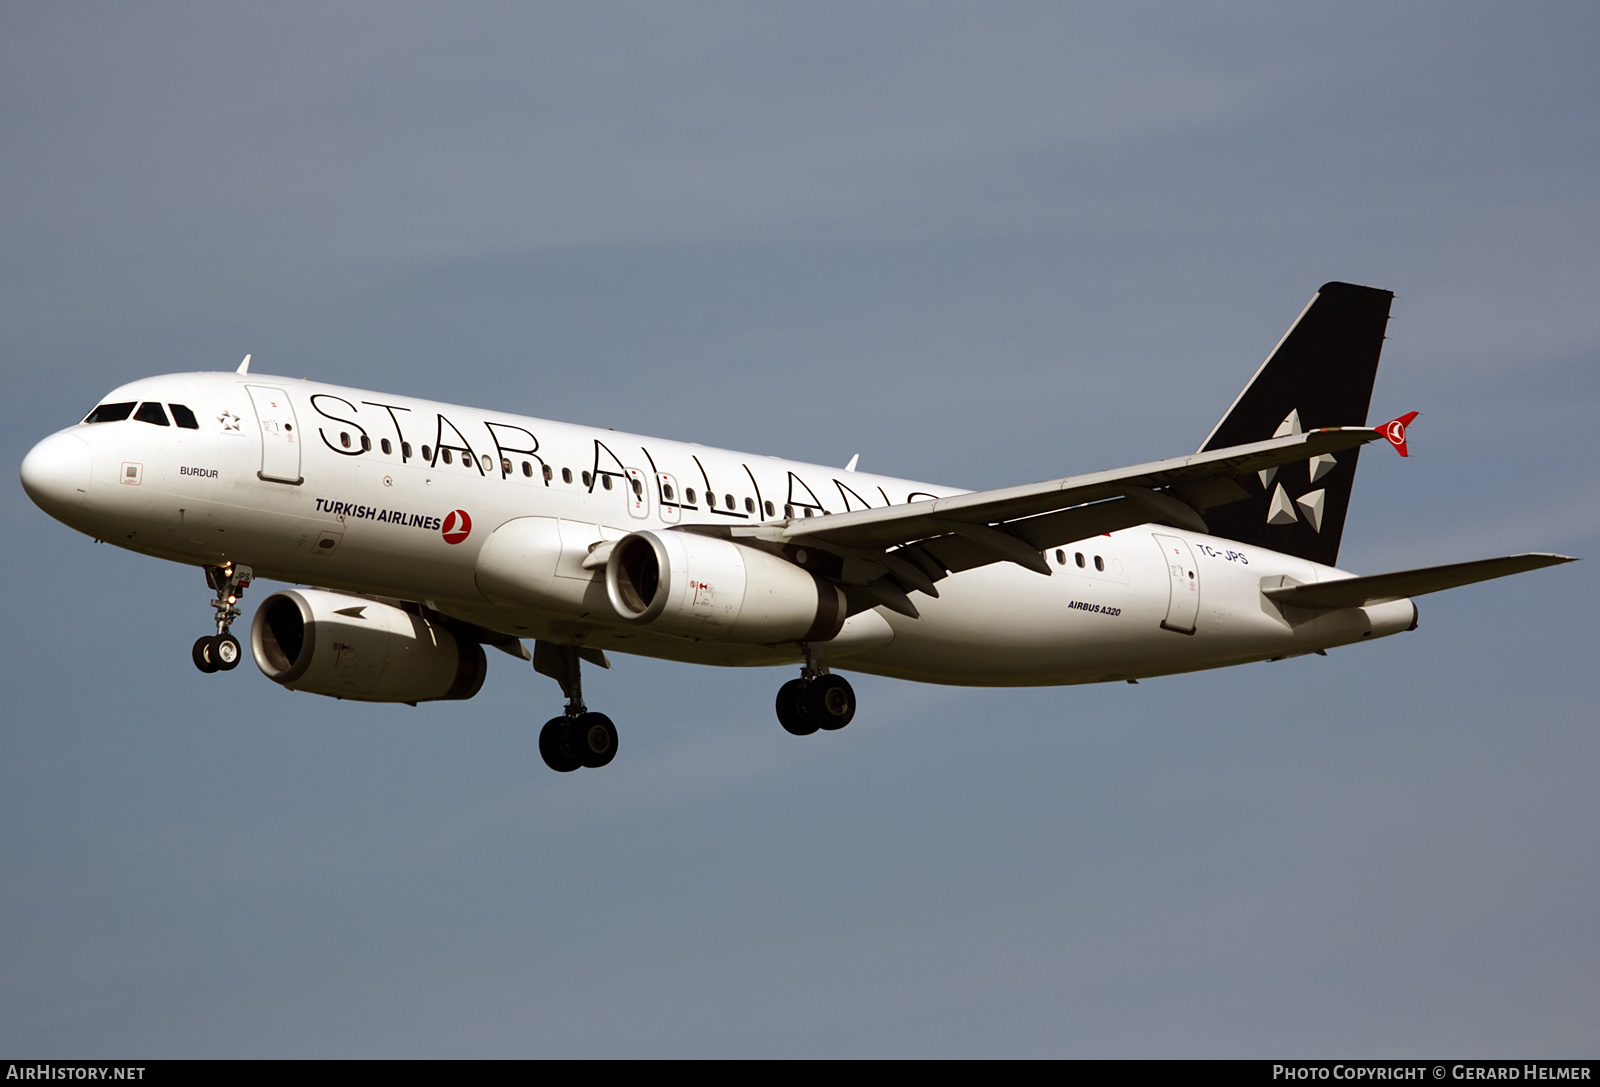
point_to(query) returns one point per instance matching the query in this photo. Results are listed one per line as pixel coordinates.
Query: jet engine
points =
(684, 583)
(363, 649)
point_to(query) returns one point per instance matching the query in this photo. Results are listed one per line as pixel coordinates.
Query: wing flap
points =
(1357, 591)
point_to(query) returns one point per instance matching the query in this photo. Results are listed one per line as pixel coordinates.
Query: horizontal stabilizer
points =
(1357, 591)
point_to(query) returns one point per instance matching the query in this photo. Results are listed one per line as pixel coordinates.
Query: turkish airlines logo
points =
(456, 527)
(1395, 431)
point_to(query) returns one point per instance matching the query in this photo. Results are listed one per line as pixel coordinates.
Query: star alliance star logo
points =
(1281, 511)
(228, 420)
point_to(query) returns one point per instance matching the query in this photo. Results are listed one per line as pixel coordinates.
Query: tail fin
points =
(1319, 375)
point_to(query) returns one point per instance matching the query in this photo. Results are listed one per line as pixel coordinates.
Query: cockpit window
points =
(184, 417)
(110, 413)
(150, 412)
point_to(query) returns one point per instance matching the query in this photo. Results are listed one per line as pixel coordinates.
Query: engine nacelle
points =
(684, 583)
(359, 648)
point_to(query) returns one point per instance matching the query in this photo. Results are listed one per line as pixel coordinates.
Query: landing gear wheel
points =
(793, 712)
(594, 739)
(830, 702)
(202, 655)
(225, 652)
(556, 748)
(221, 652)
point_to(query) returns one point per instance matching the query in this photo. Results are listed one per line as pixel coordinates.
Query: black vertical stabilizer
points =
(1320, 375)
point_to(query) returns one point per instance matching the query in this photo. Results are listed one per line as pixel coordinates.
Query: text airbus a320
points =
(423, 532)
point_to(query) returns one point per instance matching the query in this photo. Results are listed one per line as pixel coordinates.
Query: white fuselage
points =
(354, 490)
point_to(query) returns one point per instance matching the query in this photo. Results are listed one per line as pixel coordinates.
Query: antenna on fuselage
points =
(851, 467)
(244, 367)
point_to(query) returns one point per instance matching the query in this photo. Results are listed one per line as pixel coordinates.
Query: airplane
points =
(422, 532)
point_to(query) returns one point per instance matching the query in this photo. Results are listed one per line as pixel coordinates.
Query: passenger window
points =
(666, 491)
(769, 507)
(405, 450)
(711, 500)
(344, 439)
(184, 417)
(1079, 556)
(488, 464)
(605, 481)
(505, 466)
(150, 412)
(110, 413)
(1100, 564)
(729, 499)
(1061, 557)
(688, 493)
(588, 480)
(366, 444)
(566, 475)
(749, 505)
(444, 455)
(788, 510)
(386, 447)
(638, 489)
(544, 470)
(427, 454)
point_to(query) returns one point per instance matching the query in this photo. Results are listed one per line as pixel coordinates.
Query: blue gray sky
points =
(978, 244)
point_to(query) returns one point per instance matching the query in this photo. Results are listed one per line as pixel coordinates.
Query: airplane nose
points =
(55, 473)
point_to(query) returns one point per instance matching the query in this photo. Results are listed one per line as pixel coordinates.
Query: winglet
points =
(1395, 431)
(244, 367)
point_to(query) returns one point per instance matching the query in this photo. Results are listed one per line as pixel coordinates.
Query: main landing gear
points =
(578, 738)
(818, 699)
(221, 652)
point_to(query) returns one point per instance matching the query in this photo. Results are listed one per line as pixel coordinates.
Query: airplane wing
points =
(1357, 591)
(890, 550)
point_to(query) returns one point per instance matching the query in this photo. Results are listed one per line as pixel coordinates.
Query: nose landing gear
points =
(578, 738)
(221, 652)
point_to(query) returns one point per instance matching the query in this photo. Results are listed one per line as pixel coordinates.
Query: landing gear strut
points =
(221, 652)
(818, 699)
(578, 738)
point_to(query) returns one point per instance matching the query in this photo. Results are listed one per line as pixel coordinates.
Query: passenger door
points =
(1183, 579)
(280, 435)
